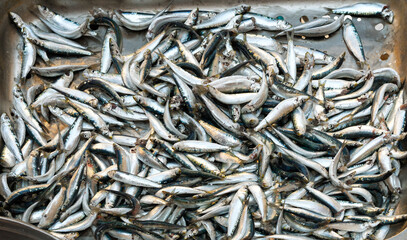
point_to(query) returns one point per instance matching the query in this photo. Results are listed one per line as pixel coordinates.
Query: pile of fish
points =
(211, 130)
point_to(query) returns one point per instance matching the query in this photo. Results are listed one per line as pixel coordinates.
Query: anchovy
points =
(61, 25)
(23, 110)
(236, 208)
(59, 48)
(11, 141)
(282, 108)
(267, 23)
(367, 9)
(323, 30)
(222, 17)
(56, 71)
(314, 23)
(53, 37)
(91, 116)
(202, 131)
(353, 42)
(160, 128)
(324, 71)
(261, 41)
(29, 56)
(130, 20)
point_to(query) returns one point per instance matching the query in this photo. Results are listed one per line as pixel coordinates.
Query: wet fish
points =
(210, 129)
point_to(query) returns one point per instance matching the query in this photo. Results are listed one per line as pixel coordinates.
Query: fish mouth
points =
(388, 15)
(93, 103)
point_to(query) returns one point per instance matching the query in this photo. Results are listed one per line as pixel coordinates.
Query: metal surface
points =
(391, 40)
(12, 229)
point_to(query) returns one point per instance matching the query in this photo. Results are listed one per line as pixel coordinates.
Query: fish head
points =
(283, 25)
(105, 132)
(329, 59)
(149, 35)
(106, 108)
(347, 22)
(5, 118)
(108, 133)
(93, 103)
(193, 17)
(87, 72)
(329, 104)
(17, 92)
(86, 135)
(44, 11)
(309, 60)
(16, 18)
(302, 99)
(243, 9)
(236, 112)
(388, 15)
(111, 173)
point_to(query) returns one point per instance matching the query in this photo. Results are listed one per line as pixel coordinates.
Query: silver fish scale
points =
(177, 137)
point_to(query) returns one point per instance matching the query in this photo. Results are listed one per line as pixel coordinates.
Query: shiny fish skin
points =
(259, 100)
(367, 9)
(62, 25)
(106, 59)
(51, 212)
(267, 23)
(162, 20)
(236, 208)
(323, 30)
(23, 110)
(11, 141)
(132, 179)
(194, 146)
(91, 116)
(353, 42)
(221, 117)
(53, 37)
(59, 48)
(29, 57)
(324, 71)
(169, 124)
(292, 67)
(220, 136)
(223, 17)
(284, 107)
(55, 71)
(366, 86)
(160, 128)
(261, 41)
(128, 19)
(221, 125)
(311, 24)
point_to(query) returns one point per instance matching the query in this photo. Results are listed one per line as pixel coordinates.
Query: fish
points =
(212, 128)
(367, 9)
(353, 42)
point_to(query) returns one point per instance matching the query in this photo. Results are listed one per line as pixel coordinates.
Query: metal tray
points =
(12, 229)
(390, 41)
